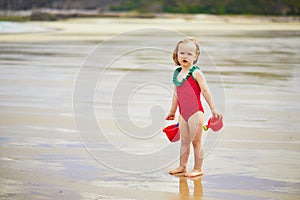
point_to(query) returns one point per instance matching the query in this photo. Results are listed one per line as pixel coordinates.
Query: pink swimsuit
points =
(188, 94)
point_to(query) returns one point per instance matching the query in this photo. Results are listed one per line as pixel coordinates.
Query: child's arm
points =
(171, 115)
(206, 92)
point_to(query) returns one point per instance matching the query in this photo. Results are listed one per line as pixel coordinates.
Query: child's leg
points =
(195, 127)
(185, 142)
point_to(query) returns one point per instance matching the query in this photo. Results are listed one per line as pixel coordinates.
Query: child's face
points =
(187, 54)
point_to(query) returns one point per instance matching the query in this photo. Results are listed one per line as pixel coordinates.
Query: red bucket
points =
(172, 132)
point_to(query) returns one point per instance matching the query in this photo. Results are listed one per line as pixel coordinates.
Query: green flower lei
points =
(175, 75)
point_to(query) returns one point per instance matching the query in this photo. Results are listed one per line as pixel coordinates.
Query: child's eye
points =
(189, 54)
(181, 53)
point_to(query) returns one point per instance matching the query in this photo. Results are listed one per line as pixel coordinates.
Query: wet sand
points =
(44, 157)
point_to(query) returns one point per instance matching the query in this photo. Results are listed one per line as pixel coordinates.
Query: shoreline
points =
(91, 29)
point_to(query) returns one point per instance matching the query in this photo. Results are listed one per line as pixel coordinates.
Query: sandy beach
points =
(82, 103)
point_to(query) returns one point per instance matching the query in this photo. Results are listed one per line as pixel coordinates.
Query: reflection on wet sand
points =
(184, 191)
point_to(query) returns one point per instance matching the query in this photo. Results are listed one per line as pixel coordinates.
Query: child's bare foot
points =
(194, 173)
(178, 170)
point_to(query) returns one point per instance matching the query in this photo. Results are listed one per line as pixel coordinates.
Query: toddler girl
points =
(189, 83)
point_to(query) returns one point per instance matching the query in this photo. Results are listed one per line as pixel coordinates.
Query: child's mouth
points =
(184, 61)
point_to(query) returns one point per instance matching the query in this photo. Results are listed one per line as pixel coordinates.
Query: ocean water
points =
(7, 27)
(247, 72)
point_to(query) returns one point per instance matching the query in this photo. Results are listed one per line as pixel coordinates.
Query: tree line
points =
(263, 7)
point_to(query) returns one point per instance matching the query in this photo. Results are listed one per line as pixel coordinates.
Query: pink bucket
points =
(214, 124)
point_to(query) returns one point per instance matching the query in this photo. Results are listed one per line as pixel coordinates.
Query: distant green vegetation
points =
(263, 7)
(15, 18)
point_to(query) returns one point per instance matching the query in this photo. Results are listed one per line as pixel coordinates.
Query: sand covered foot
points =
(194, 173)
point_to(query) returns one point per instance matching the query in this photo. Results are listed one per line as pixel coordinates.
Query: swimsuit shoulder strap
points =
(175, 75)
(194, 68)
(177, 71)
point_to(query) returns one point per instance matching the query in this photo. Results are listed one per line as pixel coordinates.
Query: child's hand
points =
(171, 116)
(217, 114)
